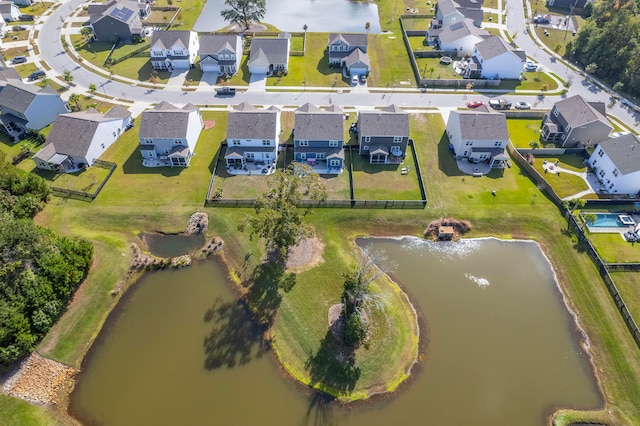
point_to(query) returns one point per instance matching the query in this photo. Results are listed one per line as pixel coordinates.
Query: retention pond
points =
(502, 348)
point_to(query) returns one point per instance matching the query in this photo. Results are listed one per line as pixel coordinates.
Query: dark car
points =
(36, 75)
(25, 17)
(226, 91)
(19, 60)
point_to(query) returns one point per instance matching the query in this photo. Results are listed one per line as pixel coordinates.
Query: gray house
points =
(575, 122)
(349, 51)
(221, 53)
(9, 11)
(383, 135)
(168, 135)
(269, 55)
(79, 138)
(319, 137)
(27, 107)
(120, 18)
(7, 73)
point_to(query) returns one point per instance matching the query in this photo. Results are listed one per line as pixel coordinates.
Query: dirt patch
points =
(39, 380)
(209, 124)
(253, 27)
(336, 321)
(305, 255)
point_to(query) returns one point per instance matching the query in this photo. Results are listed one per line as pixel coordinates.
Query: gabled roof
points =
(271, 50)
(7, 6)
(460, 30)
(312, 123)
(389, 121)
(165, 121)
(494, 46)
(248, 122)
(71, 134)
(468, 8)
(211, 44)
(126, 11)
(165, 39)
(359, 39)
(481, 125)
(576, 111)
(356, 56)
(17, 95)
(624, 152)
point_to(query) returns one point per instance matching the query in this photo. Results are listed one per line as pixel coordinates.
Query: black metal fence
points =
(82, 195)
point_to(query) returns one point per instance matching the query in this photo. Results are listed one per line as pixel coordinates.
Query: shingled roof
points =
(167, 39)
(313, 123)
(481, 125)
(18, 96)
(624, 152)
(211, 44)
(461, 30)
(494, 46)
(359, 39)
(576, 111)
(248, 122)
(165, 121)
(271, 50)
(389, 121)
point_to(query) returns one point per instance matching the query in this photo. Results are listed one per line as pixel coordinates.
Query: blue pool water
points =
(606, 220)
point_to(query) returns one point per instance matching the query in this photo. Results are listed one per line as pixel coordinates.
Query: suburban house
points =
(349, 51)
(23, 2)
(616, 163)
(452, 12)
(79, 138)
(383, 135)
(7, 73)
(174, 49)
(221, 53)
(460, 37)
(573, 6)
(27, 107)
(575, 122)
(269, 55)
(9, 11)
(118, 18)
(494, 58)
(479, 136)
(319, 137)
(168, 135)
(252, 139)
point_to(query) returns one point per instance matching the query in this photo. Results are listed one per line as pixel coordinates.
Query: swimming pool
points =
(611, 220)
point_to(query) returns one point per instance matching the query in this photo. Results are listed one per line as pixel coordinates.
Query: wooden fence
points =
(81, 195)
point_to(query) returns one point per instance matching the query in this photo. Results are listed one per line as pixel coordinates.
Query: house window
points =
(555, 112)
(366, 139)
(397, 139)
(601, 152)
(177, 141)
(333, 143)
(235, 142)
(102, 145)
(303, 156)
(497, 143)
(469, 143)
(593, 163)
(167, 151)
(266, 142)
(365, 148)
(320, 156)
(303, 143)
(267, 156)
(334, 163)
(615, 172)
(148, 141)
(567, 129)
(250, 156)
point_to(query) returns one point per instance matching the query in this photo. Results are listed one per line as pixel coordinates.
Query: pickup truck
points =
(500, 104)
(226, 91)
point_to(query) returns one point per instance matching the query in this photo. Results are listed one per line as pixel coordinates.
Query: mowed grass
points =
(85, 181)
(564, 184)
(627, 284)
(612, 248)
(523, 132)
(18, 412)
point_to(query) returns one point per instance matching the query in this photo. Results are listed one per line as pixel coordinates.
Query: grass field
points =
(564, 184)
(523, 132)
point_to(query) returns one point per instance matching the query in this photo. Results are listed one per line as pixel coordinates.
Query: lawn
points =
(36, 9)
(627, 283)
(190, 10)
(531, 81)
(556, 40)
(431, 68)
(18, 412)
(84, 181)
(612, 248)
(523, 132)
(564, 184)
(418, 43)
(416, 24)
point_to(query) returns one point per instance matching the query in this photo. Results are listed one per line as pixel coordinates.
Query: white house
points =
(495, 58)
(174, 49)
(461, 37)
(269, 55)
(168, 135)
(479, 136)
(252, 137)
(77, 139)
(221, 53)
(23, 2)
(9, 11)
(616, 163)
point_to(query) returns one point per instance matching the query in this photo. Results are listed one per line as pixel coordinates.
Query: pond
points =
(501, 346)
(171, 245)
(292, 15)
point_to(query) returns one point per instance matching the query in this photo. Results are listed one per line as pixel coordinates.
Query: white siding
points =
(106, 134)
(506, 65)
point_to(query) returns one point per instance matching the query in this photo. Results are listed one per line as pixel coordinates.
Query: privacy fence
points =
(82, 195)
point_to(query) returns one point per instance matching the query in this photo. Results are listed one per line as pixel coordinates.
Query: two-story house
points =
(479, 136)
(118, 18)
(383, 135)
(269, 55)
(79, 138)
(27, 107)
(174, 49)
(494, 58)
(575, 122)
(454, 11)
(168, 135)
(9, 11)
(319, 137)
(460, 37)
(220, 53)
(252, 139)
(349, 51)
(616, 163)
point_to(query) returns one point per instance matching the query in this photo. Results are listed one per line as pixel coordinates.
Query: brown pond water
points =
(171, 245)
(502, 349)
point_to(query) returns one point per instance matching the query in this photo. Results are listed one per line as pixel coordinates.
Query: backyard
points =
(524, 132)
(564, 184)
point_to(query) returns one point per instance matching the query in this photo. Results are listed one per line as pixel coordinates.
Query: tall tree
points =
(279, 220)
(244, 11)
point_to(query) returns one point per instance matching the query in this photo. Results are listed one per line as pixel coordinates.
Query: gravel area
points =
(305, 255)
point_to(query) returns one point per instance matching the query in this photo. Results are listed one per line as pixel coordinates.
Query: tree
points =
(68, 77)
(75, 98)
(92, 88)
(87, 33)
(591, 68)
(618, 86)
(305, 27)
(278, 220)
(367, 26)
(244, 11)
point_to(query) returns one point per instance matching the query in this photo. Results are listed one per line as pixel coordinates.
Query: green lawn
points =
(612, 248)
(18, 412)
(84, 181)
(628, 287)
(36, 9)
(564, 184)
(418, 43)
(556, 40)
(431, 68)
(417, 24)
(532, 81)
(523, 131)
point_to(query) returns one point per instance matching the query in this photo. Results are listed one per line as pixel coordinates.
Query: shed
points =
(445, 232)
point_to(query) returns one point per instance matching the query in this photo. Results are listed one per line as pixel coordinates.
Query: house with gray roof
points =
(7, 73)
(575, 122)
(252, 139)
(479, 136)
(118, 18)
(319, 137)
(494, 58)
(168, 135)
(349, 51)
(460, 37)
(220, 53)
(174, 49)
(27, 107)
(9, 11)
(616, 163)
(270, 55)
(452, 12)
(78, 139)
(383, 135)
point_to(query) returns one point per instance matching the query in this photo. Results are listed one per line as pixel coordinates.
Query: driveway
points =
(258, 82)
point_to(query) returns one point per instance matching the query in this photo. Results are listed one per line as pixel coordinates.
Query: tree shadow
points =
(235, 339)
(319, 412)
(263, 290)
(446, 159)
(333, 365)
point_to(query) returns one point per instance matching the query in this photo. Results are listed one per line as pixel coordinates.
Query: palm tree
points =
(92, 88)
(75, 98)
(68, 77)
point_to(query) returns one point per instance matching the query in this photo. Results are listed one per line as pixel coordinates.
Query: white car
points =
(523, 105)
(530, 66)
(354, 79)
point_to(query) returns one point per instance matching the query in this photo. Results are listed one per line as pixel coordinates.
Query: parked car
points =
(542, 19)
(25, 17)
(500, 104)
(354, 79)
(475, 104)
(363, 78)
(530, 66)
(36, 75)
(523, 105)
(19, 60)
(226, 91)
(18, 28)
